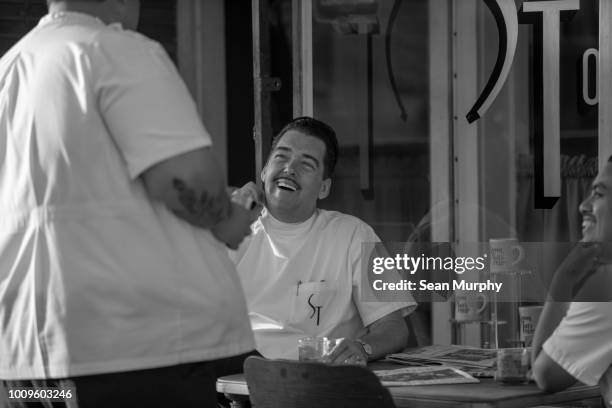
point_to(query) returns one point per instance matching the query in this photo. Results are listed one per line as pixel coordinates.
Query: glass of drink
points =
(313, 348)
(512, 365)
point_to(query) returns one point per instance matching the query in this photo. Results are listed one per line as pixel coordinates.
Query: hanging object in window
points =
(506, 19)
(390, 73)
(357, 17)
(348, 16)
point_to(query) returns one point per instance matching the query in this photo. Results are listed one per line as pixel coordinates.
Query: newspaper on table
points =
(423, 376)
(462, 356)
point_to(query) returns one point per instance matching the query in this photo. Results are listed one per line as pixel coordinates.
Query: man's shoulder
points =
(340, 217)
(114, 35)
(596, 287)
(590, 312)
(343, 223)
(120, 52)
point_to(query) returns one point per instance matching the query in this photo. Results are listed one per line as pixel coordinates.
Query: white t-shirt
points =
(95, 278)
(305, 279)
(582, 345)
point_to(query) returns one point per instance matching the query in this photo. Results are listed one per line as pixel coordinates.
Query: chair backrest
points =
(295, 384)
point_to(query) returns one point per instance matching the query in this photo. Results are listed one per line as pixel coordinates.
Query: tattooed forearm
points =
(205, 210)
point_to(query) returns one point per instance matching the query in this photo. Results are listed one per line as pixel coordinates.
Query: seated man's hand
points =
(348, 351)
(250, 196)
(236, 227)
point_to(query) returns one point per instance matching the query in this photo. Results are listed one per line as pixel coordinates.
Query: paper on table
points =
(424, 376)
(451, 354)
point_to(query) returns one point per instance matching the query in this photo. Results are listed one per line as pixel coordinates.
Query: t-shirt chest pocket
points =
(312, 304)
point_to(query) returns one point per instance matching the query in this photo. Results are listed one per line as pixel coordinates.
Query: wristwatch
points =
(366, 347)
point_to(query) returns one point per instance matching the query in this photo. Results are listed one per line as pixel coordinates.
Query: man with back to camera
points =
(301, 267)
(115, 284)
(573, 339)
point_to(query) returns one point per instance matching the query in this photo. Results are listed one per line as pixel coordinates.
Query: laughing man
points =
(301, 267)
(573, 340)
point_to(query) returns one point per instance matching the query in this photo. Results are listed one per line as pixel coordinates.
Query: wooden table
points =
(489, 394)
(486, 394)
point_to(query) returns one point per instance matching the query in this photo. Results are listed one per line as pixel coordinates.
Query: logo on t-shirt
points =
(316, 310)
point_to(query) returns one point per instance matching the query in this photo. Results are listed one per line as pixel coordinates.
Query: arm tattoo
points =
(205, 210)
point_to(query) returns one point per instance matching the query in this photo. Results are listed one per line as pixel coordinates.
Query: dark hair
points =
(320, 130)
(610, 159)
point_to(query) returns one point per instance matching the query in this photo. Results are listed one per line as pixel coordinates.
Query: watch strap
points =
(366, 347)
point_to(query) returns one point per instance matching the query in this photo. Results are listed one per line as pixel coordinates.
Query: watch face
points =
(366, 347)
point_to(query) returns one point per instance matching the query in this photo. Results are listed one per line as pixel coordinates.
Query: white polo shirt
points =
(305, 280)
(95, 278)
(582, 345)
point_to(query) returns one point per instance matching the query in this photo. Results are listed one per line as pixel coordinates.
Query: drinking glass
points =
(512, 365)
(313, 348)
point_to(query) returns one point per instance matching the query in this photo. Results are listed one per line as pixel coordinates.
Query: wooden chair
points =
(295, 384)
